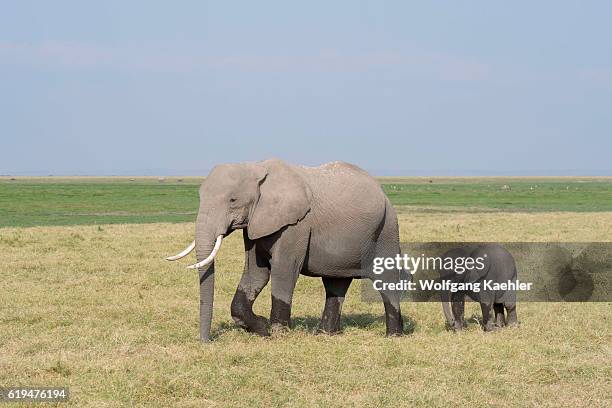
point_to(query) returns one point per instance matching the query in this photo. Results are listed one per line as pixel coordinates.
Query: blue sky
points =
(429, 87)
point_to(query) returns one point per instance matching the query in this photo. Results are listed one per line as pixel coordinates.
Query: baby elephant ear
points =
(284, 199)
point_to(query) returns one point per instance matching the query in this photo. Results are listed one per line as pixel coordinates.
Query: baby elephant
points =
(492, 265)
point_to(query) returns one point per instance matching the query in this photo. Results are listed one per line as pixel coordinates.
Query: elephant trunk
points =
(205, 243)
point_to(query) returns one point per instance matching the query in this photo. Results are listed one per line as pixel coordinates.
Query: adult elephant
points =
(328, 221)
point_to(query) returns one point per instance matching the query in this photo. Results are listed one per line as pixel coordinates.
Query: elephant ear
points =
(284, 199)
(475, 274)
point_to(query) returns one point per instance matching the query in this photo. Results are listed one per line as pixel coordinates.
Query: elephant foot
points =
(279, 328)
(394, 321)
(458, 326)
(490, 326)
(260, 326)
(256, 324)
(512, 318)
(330, 331)
(329, 325)
(394, 332)
(242, 313)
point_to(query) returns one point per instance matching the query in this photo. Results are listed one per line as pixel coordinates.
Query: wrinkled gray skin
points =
(322, 221)
(499, 267)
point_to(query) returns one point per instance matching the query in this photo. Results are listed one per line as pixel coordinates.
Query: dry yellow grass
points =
(505, 227)
(99, 310)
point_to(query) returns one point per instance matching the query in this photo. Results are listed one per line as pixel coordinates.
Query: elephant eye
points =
(232, 200)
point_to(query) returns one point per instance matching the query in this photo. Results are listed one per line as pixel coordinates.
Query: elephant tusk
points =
(211, 257)
(182, 254)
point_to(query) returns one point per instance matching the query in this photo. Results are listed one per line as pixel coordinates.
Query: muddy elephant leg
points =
(387, 246)
(393, 314)
(487, 317)
(283, 285)
(499, 314)
(254, 278)
(335, 291)
(511, 312)
(288, 257)
(458, 308)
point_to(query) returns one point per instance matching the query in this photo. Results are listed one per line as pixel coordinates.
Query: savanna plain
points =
(87, 301)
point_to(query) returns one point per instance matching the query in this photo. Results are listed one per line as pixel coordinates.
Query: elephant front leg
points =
(288, 255)
(242, 304)
(499, 314)
(283, 285)
(335, 291)
(487, 319)
(254, 279)
(458, 309)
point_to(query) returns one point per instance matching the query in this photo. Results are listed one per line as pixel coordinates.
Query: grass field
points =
(99, 200)
(97, 309)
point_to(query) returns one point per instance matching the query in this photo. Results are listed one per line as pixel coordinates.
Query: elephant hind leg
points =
(499, 314)
(487, 318)
(393, 314)
(387, 246)
(511, 312)
(335, 291)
